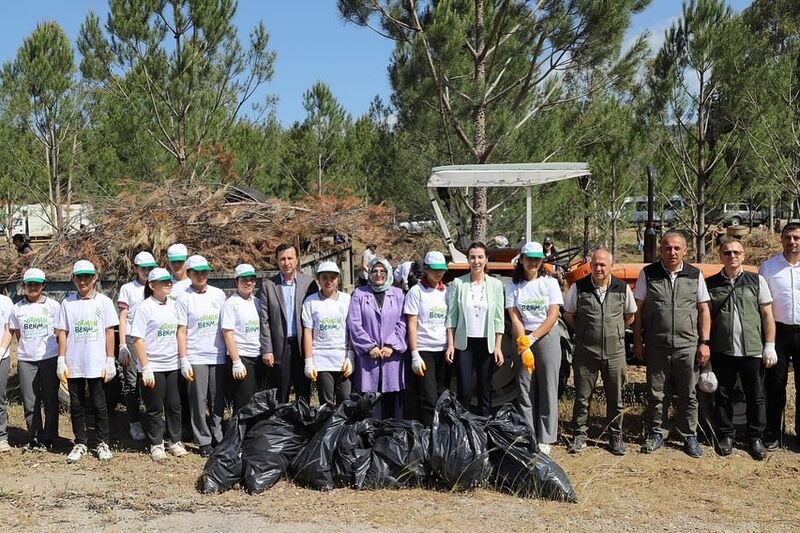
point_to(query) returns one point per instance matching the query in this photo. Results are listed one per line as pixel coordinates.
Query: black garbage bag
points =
(519, 468)
(271, 443)
(459, 455)
(400, 455)
(353, 454)
(313, 466)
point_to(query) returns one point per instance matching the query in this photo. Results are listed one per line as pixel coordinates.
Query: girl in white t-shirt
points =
(202, 353)
(32, 323)
(533, 301)
(85, 332)
(154, 328)
(425, 308)
(241, 329)
(6, 305)
(329, 359)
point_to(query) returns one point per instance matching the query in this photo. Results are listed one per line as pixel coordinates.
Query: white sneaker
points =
(78, 451)
(103, 452)
(545, 448)
(4, 446)
(136, 431)
(157, 452)
(178, 450)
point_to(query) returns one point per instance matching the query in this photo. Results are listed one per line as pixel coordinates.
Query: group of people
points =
(185, 348)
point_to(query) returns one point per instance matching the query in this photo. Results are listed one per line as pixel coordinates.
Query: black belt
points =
(787, 327)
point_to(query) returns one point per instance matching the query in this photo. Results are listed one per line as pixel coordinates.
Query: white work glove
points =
(533, 339)
(186, 369)
(124, 355)
(61, 369)
(110, 370)
(349, 364)
(768, 355)
(417, 364)
(310, 370)
(238, 370)
(148, 378)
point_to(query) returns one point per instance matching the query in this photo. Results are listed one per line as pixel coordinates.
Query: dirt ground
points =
(668, 491)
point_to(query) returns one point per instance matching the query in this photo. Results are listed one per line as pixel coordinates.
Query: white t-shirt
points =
(366, 257)
(402, 271)
(131, 294)
(571, 301)
(533, 298)
(328, 320)
(640, 291)
(6, 305)
(85, 321)
(35, 323)
(179, 287)
(477, 309)
(242, 316)
(200, 314)
(429, 305)
(157, 324)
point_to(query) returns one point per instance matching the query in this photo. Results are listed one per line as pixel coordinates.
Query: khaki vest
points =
(742, 296)
(670, 309)
(600, 327)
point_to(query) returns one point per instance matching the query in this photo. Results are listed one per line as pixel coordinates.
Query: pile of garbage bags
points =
(326, 448)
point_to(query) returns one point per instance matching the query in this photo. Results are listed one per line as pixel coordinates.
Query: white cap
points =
(177, 252)
(197, 262)
(159, 274)
(83, 267)
(533, 250)
(435, 261)
(145, 259)
(328, 266)
(244, 270)
(707, 381)
(33, 275)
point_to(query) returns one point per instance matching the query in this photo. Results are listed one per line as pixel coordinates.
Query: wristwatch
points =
(704, 341)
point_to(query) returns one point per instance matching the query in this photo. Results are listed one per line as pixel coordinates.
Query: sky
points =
(311, 41)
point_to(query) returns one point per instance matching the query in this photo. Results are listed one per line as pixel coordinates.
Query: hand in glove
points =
(310, 370)
(110, 370)
(768, 355)
(61, 369)
(349, 364)
(238, 370)
(148, 378)
(524, 348)
(186, 369)
(417, 364)
(124, 355)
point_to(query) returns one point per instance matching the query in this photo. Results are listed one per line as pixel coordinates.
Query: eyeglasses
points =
(732, 252)
(378, 272)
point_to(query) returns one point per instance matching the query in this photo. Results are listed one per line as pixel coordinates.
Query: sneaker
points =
(757, 450)
(4, 446)
(725, 446)
(34, 446)
(177, 450)
(136, 431)
(771, 444)
(104, 452)
(615, 444)
(77, 453)
(578, 443)
(692, 447)
(545, 448)
(654, 443)
(206, 450)
(157, 452)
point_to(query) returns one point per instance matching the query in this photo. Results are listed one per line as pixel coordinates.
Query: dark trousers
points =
(431, 384)
(290, 373)
(162, 402)
(787, 344)
(389, 405)
(79, 404)
(332, 388)
(751, 372)
(476, 358)
(130, 386)
(245, 389)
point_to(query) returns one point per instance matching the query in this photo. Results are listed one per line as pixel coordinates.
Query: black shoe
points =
(34, 446)
(615, 444)
(725, 446)
(771, 444)
(578, 444)
(692, 448)
(205, 450)
(757, 450)
(654, 443)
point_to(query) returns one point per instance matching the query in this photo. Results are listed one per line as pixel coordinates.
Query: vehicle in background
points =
(737, 214)
(37, 221)
(417, 224)
(669, 213)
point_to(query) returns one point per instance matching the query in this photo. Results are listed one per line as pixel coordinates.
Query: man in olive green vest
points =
(742, 340)
(598, 308)
(671, 334)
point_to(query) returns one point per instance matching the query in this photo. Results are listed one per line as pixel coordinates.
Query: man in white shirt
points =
(782, 273)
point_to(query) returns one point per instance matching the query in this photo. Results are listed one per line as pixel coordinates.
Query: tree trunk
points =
(319, 173)
(700, 242)
(480, 203)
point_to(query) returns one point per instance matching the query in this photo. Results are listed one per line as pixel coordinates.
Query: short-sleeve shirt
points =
(85, 322)
(429, 305)
(200, 313)
(533, 298)
(6, 305)
(242, 317)
(157, 324)
(783, 279)
(130, 295)
(36, 325)
(327, 319)
(640, 291)
(179, 287)
(571, 301)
